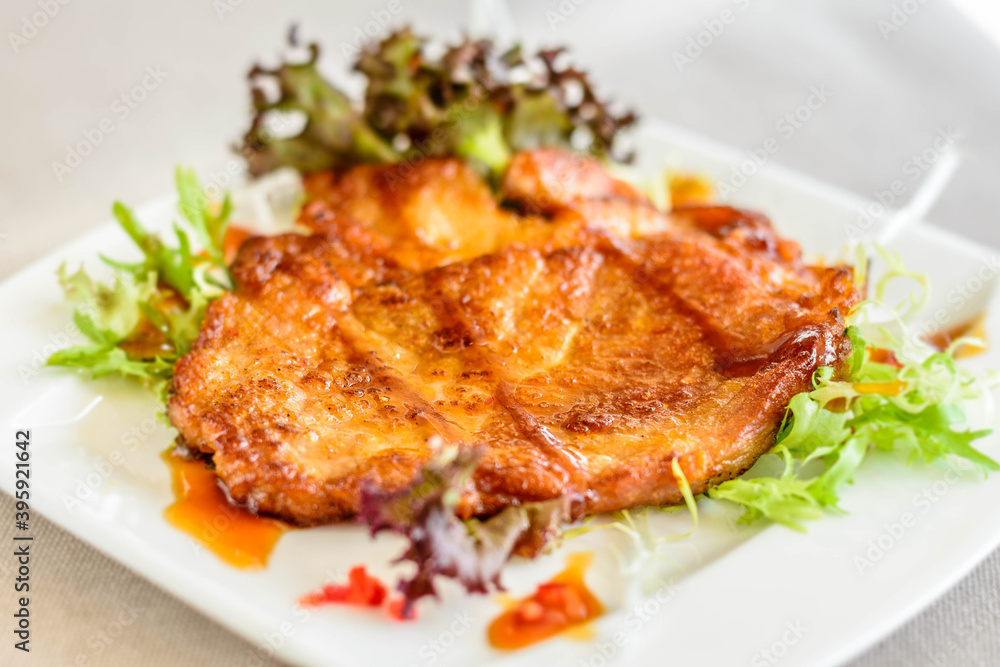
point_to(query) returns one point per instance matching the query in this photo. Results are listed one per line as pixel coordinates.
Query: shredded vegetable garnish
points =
(689, 500)
(913, 407)
(148, 316)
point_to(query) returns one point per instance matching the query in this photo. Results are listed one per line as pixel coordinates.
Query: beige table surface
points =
(892, 93)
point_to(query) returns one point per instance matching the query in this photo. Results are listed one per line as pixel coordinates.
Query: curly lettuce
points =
(912, 407)
(473, 101)
(471, 552)
(147, 317)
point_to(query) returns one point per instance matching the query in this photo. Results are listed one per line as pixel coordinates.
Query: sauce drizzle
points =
(202, 510)
(974, 328)
(560, 605)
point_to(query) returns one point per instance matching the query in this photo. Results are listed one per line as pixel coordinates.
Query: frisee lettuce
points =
(142, 322)
(913, 408)
(910, 404)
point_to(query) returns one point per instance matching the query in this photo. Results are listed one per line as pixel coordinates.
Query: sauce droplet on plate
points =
(974, 328)
(564, 603)
(894, 388)
(202, 510)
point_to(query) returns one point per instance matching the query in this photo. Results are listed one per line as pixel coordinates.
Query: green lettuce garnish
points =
(913, 408)
(909, 403)
(472, 101)
(143, 321)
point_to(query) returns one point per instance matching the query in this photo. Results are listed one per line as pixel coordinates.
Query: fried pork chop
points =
(583, 345)
(440, 211)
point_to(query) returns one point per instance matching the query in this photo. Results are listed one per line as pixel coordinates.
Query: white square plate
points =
(727, 595)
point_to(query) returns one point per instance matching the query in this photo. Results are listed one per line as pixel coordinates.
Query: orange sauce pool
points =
(562, 605)
(202, 510)
(974, 328)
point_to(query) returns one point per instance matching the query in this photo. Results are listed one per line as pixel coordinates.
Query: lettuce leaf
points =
(913, 409)
(786, 499)
(473, 101)
(147, 317)
(441, 545)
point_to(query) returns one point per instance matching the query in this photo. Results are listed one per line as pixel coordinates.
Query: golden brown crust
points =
(439, 211)
(547, 180)
(585, 363)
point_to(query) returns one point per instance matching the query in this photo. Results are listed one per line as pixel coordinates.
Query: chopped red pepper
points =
(396, 607)
(361, 590)
(559, 596)
(555, 606)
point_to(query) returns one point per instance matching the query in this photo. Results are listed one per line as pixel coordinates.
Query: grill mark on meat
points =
(570, 463)
(383, 376)
(592, 353)
(477, 359)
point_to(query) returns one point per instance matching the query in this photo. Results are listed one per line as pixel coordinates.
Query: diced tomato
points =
(563, 598)
(396, 607)
(364, 589)
(530, 611)
(556, 605)
(361, 590)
